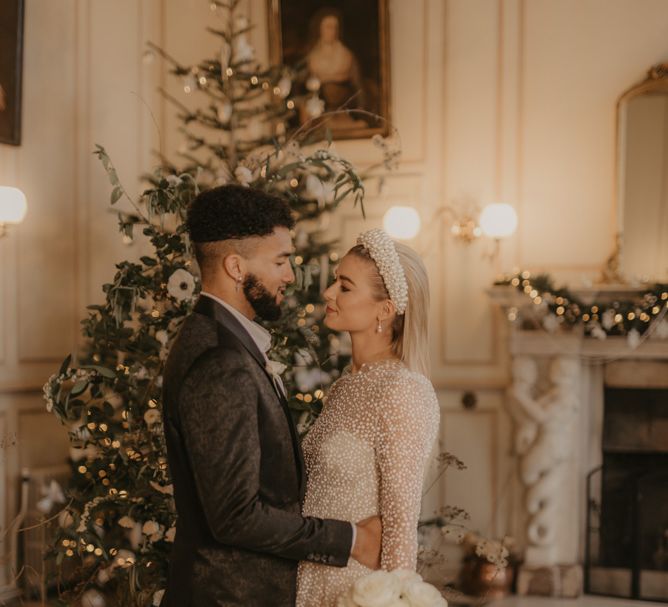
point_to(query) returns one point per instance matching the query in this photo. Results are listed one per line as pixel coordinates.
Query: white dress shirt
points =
(260, 336)
(262, 339)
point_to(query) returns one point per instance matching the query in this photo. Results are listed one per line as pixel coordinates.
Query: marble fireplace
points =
(591, 446)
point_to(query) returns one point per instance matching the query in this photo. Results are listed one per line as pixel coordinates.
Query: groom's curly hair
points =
(220, 219)
(236, 212)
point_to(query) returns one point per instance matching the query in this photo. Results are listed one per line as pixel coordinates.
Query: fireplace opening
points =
(627, 498)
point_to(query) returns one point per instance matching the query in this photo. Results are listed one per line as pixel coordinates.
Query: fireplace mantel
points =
(556, 403)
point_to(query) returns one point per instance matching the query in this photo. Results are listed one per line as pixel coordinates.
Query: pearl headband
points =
(384, 254)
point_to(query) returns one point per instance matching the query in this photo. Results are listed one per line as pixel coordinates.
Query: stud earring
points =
(379, 328)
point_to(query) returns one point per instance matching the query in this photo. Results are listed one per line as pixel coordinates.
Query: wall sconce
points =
(465, 228)
(13, 207)
(402, 223)
(467, 223)
(498, 220)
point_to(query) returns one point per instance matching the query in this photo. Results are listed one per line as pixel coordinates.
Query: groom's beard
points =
(261, 300)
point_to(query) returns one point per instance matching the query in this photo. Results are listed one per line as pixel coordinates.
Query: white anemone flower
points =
(181, 285)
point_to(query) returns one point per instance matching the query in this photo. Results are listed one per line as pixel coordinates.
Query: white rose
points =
(150, 527)
(152, 417)
(599, 333)
(309, 379)
(126, 522)
(242, 51)
(378, 589)
(608, 319)
(275, 367)
(406, 577)
(313, 84)
(157, 597)
(303, 357)
(322, 191)
(315, 106)
(181, 285)
(243, 175)
(346, 600)
(173, 180)
(420, 594)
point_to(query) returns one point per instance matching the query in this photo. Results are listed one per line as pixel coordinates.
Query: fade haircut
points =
(221, 220)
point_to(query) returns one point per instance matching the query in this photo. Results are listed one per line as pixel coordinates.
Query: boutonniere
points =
(275, 368)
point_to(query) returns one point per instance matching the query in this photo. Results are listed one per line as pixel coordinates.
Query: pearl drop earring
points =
(379, 328)
(238, 285)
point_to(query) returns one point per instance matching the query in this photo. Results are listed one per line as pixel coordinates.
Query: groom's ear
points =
(234, 266)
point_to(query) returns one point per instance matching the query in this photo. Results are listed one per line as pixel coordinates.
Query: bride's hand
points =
(366, 550)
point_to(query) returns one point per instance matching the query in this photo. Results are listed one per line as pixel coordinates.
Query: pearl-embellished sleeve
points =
(408, 422)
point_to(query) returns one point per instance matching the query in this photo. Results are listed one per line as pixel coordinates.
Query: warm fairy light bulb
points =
(402, 222)
(13, 205)
(498, 220)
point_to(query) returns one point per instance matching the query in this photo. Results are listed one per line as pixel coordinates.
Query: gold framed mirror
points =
(642, 179)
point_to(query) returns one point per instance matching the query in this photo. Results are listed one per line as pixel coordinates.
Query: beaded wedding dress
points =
(366, 455)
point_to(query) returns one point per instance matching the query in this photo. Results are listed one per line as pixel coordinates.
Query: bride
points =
(367, 452)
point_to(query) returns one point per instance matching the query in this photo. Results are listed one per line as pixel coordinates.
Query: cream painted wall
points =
(508, 100)
(83, 80)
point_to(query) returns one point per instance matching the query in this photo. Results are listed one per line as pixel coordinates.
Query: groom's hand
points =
(367, 544)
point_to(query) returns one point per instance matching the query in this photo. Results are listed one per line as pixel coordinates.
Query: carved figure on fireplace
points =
(544, 442)
(525, 373)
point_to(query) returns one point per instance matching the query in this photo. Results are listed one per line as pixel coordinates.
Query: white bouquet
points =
(399, 588)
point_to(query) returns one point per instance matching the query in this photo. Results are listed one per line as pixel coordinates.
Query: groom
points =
(234, 455)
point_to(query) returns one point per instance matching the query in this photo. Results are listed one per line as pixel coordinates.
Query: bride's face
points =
(350, 301)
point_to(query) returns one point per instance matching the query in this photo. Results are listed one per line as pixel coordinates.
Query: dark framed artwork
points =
(11, 60)
(339, 52)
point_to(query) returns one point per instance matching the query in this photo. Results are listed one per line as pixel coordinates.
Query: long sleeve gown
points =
(366, 455)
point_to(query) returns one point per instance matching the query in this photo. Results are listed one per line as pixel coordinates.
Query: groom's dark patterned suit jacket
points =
(238, 473)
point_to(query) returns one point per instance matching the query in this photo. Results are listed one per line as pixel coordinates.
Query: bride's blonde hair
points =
(410, 331)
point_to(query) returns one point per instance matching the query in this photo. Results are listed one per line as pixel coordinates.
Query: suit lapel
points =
(212, 309)
(208, 307)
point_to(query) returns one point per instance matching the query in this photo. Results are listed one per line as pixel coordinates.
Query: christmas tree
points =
(114, 537)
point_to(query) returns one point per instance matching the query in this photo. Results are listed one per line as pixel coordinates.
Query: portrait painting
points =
(11, 47)
(338, 54)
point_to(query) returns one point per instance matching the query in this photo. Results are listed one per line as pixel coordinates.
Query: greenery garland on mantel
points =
(615, 315)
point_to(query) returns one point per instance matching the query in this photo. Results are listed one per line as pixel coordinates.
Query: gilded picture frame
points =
(339, 57)
(11, 65)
